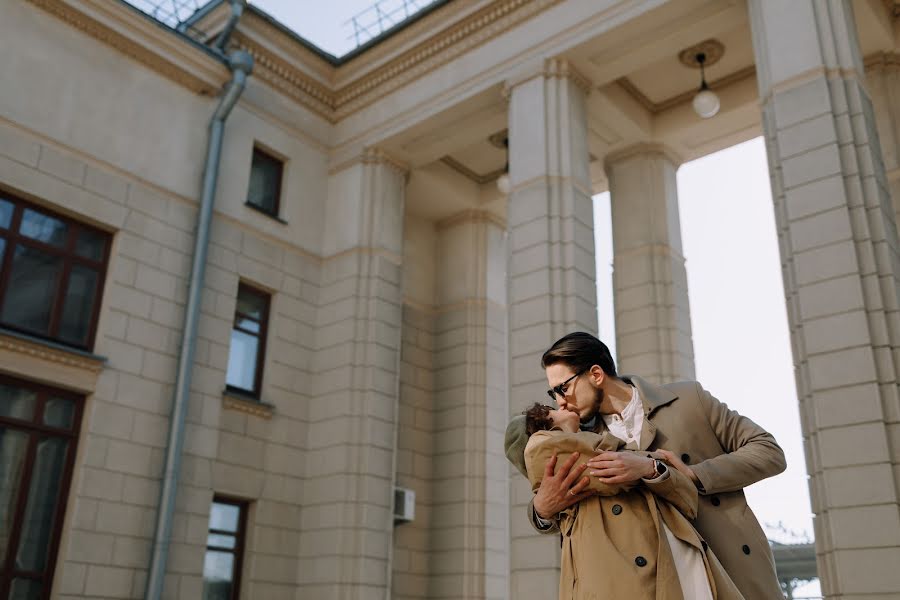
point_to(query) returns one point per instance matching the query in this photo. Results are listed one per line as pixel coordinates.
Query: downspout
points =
(241, 64)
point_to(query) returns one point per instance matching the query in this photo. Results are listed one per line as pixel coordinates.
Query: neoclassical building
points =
(251, 292)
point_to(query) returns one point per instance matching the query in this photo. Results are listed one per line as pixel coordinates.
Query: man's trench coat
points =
(728, 452)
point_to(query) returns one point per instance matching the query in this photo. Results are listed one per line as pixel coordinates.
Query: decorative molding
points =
(471, 216)
(557, 68)
(51, 353)
(683, 98)
(469, 173)
(642, 148)
(157, 61)
(377, 156)
(712, 49)
(251, 407)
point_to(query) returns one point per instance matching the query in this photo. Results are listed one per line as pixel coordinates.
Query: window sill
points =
(41, 360)
(234, 400)
(265, 212)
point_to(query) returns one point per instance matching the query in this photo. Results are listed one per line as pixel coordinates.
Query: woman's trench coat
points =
(613, 544)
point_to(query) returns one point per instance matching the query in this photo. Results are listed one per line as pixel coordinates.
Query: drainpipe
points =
(241, 64)
(237, 9)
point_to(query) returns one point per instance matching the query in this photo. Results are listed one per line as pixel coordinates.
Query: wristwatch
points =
(660, 468)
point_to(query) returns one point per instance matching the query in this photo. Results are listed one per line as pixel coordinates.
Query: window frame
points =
(262, 336)
(70, 258)
(276, 210)
(37, 431)
(240, 537)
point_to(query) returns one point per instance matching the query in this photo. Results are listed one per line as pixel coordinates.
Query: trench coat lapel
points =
(652, 397)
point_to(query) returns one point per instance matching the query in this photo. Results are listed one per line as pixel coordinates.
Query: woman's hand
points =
(621, 467)
(562, 489)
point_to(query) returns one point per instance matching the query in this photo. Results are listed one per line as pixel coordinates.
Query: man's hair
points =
(581, 351)
(537, 418)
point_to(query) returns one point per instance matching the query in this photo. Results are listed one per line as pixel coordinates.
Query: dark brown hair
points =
(580, 351)
(537, 418)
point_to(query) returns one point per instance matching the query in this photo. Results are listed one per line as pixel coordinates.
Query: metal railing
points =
(380, 17)
(169, 12)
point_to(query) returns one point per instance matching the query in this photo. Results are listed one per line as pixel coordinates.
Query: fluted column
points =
(347, 504)
(653, 317)
(839, 254)
(552, 278)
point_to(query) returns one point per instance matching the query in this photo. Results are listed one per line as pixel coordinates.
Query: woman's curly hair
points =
(537, 418)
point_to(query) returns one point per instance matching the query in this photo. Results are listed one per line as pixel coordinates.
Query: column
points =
(838, 245)
(470, 509)
(653, 316)
(552, 277)
(883, 83)
(348, 496)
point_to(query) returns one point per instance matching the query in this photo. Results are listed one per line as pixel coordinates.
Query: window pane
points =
(13, 445)
(40, 510)
(59, 412)
(90, 244)
(25, 589)
(6, 213)
(78, 306)
(31, 288)
(242, 360)
(221, 541)
(250, 304)
(218, 573)
(224, 517)
(248, 324)
(17, 403)
(44, 228)
(265, 179)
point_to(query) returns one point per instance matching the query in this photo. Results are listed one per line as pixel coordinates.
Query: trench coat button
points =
(746, 549)
(715, 501)
(685, 458)
(617, 509)
(704, 545)
(640, 561)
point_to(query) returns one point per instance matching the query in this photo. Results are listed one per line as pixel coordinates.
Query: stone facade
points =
(410, 300)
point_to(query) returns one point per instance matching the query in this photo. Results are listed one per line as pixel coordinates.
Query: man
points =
(721, 451)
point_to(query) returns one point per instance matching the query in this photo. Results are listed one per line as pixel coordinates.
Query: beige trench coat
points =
(614, 545)
(728, 452)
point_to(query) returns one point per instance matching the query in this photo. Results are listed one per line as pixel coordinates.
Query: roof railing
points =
(380, 17)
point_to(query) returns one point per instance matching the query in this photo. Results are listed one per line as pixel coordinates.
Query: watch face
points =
(660, 467)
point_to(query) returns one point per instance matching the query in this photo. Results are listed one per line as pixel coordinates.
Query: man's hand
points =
(678, 465)
(621, 467)
(560, 490)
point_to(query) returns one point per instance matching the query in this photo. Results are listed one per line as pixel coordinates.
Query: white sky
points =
(738, 312)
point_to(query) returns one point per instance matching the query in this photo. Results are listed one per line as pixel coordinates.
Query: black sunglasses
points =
(560, 390)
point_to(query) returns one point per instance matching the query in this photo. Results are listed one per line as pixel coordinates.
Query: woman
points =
(629, 541)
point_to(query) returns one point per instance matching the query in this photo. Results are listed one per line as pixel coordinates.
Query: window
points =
(38, 434)
(51, 278)
(248, 341)
(224, 549)
(265, 182)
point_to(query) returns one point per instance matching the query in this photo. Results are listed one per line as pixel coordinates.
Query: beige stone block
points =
(143, 394)
(802, 102)
(110, 419)
(826, 262)
(815, 197)
(106, 184)
(859, 485)
(836, 332)
(807, 135)
(141, 491)
(853, 445)
(126, 457)
(847, 405)
(62, 165)
(820, 230)
(839, 295)
(868, 571)
(865, 526)
(19, 146)
(840, 368)
(159, 283)
(149, 335)
(73, 575)
(84, 513)
(89, 547)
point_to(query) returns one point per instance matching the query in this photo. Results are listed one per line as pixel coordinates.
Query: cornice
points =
(469, 173)
(471, 217)
(51, 353)
(143, 40)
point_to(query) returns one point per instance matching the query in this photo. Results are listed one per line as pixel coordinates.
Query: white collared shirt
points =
(627, 426)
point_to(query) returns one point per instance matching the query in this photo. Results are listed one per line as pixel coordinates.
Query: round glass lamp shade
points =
(706, 104)
(503, 184)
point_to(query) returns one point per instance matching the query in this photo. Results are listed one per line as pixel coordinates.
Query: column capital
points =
(372, 155)
(642, 148)
(472, 216)
(553, 68)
